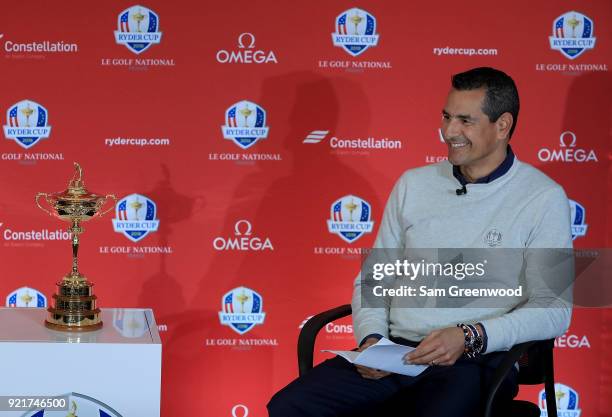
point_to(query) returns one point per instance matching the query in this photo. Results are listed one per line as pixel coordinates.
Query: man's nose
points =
(451, 129)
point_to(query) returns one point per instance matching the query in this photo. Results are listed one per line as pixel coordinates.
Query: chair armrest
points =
(308, 334)
(512, 356)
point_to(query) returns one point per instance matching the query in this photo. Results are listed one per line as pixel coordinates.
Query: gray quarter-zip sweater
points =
(523, 208)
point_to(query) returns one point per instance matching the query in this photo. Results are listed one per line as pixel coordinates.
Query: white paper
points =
(384, 355)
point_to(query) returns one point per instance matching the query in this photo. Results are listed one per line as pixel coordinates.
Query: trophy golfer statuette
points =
(74, 304)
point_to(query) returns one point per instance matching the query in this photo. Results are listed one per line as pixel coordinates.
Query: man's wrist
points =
(473, 340)
(485, 338)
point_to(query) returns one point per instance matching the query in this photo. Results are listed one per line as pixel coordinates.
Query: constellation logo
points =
(572, 34)
(331, 327)
(303, 323)
(567, 152)
(246, 53)
(138, 29)
(35, 48)
(355, 31)
(26, 123)
(34, 235)
(316, 136)
(350, 218)
(243, 239)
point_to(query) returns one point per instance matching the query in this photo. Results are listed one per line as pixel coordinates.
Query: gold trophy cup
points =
(74, 303)
(246, 112)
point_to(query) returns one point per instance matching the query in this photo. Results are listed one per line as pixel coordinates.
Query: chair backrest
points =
(534, 364)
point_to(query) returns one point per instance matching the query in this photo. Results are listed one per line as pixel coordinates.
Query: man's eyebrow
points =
(459, 116)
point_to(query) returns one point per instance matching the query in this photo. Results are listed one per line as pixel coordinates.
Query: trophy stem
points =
(76, 230)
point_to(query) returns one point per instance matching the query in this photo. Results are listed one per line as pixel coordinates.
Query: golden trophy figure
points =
(27, 298)
(138, 17)
(351, 208)
(559, 396)
(246, 112)
(136, 205)
(356, 19)
(242, 298)
(27, 112)
(75, 304)
(573, 22)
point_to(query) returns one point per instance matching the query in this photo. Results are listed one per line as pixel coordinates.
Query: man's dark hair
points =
(501, 94)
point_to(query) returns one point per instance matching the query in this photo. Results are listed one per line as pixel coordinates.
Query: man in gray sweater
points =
(482, 197)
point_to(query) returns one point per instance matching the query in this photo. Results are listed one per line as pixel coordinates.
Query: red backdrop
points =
(280, 56)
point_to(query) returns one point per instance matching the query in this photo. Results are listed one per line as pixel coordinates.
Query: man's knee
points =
(286, 403)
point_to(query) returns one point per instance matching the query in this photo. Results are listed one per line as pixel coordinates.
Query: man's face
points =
(470, 136)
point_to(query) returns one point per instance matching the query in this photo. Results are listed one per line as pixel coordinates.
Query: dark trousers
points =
(334, 388)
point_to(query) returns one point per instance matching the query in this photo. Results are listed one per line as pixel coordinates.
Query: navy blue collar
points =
(497, 172)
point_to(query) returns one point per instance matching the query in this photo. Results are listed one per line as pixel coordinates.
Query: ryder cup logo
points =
(137, 29)
(245, 124)
(26, 123)
(78, 405)
(350, 218)
(241, 309)
(566, 399)
(572, 34)
(26, 297)
(493, 238)
(355, 31)
(135, 217)
(130, 323)
(578, 214)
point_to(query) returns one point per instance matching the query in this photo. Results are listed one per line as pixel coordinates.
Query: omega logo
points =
(567, 152)
(246, 53)
(242, 239)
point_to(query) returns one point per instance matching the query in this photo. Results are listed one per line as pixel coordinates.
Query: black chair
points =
(535, 366)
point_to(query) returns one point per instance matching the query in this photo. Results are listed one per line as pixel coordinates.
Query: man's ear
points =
(503, 125)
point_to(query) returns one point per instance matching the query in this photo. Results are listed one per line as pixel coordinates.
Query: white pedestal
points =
(118, 367)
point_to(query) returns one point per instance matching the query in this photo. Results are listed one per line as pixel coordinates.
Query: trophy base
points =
(67, 328)
(74, 308)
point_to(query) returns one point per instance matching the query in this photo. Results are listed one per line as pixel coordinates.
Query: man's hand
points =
(366, 372)
(440, 347)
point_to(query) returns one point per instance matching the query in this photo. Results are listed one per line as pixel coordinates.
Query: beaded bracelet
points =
(472, 340)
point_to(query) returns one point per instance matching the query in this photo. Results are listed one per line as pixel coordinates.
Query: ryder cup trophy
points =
(74, 306)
